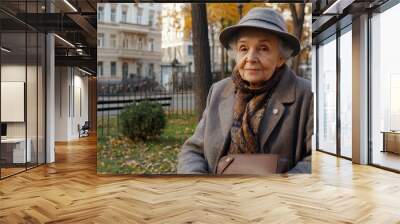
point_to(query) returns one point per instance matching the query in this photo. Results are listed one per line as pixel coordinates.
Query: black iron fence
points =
(176, 95)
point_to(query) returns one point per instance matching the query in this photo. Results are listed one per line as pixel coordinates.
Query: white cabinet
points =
(18, 149)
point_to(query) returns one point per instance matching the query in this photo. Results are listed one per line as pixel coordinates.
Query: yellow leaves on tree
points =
(219, 15)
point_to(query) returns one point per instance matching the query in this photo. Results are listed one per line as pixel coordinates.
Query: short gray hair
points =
(284, 49)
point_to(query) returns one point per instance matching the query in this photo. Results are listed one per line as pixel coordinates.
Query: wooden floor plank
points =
(70, 191)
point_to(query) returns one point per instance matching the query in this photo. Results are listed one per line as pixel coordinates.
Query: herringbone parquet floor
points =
(69, 191)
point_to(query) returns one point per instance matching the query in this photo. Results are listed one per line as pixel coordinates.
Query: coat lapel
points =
(225, 113)
(225, 108)
(284, 93)
(272, 116)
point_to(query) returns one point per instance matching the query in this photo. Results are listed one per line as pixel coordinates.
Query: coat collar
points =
(285, 93)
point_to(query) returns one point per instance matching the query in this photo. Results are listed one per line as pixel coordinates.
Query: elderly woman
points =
(263, 108)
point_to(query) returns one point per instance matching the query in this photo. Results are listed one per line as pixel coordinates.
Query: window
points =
(100, 14)
(139, 15)
(113, 41)
(346, 94)
(140, 43)
(385, 88)
(151, 45)
(139, 68)
(113, 14)
(113, 68)
(190, 50)
(327, 96)
(151, 70)
(125, 42)
(151, 18)
(133, 42)
(124, 70)
(158, 23)
(124, 15)
(100, 40)
(100, 68)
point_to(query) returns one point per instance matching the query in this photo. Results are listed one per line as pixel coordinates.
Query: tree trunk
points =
(222, 73)
(212, 49)
(222, 69)
(201, 54)
(298, 20)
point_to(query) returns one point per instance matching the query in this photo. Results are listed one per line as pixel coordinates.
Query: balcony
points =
(129, 27)
(134, 53)
(107, 52)
(129, 53)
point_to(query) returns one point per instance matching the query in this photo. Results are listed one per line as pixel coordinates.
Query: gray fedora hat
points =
(262, 18)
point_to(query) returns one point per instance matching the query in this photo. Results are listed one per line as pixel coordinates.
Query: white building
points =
(128, 40)
(176, 45)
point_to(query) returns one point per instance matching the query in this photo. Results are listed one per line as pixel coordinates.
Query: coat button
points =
(275, 111)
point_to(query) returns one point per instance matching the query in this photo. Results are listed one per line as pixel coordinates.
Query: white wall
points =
(69, 85)
(61, 103)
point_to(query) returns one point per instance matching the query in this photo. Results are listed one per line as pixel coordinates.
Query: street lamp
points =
(190, 67)
(174, 67)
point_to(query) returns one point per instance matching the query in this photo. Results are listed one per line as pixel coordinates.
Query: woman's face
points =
(257, 55)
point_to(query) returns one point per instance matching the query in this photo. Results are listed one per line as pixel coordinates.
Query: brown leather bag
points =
(256, 164)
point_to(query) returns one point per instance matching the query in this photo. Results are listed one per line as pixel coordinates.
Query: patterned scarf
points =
(248, 111)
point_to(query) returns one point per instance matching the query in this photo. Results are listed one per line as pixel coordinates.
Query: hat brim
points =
(227, 33)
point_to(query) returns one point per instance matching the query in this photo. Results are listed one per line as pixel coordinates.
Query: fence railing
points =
(176, 95)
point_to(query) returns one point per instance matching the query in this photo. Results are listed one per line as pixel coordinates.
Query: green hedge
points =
(143, 120)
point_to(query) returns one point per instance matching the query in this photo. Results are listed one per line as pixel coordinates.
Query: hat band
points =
(266, 21)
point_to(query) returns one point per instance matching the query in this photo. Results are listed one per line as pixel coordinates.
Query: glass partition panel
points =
(385, 85)
(31, 98)
(22, 66)
(346, 94)
(14, 152)
(327, 96)
(41, 99)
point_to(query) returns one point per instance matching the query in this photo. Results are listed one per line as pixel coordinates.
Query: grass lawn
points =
(119, 155)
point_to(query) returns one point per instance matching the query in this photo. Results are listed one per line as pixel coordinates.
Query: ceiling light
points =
(5, 49)
(337, 7)
(65, 41)
(86, 72)
(70, 5)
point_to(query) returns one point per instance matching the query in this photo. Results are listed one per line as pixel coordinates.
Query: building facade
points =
(128, 40)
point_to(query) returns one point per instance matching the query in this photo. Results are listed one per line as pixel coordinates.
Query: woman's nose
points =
(251, 56)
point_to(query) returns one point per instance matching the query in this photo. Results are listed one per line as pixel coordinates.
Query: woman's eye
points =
(243, 49)
(264, 48)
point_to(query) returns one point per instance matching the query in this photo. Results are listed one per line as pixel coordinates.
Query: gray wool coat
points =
(286, 128)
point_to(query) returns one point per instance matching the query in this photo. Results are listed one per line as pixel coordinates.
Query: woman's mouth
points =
(252, 71)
